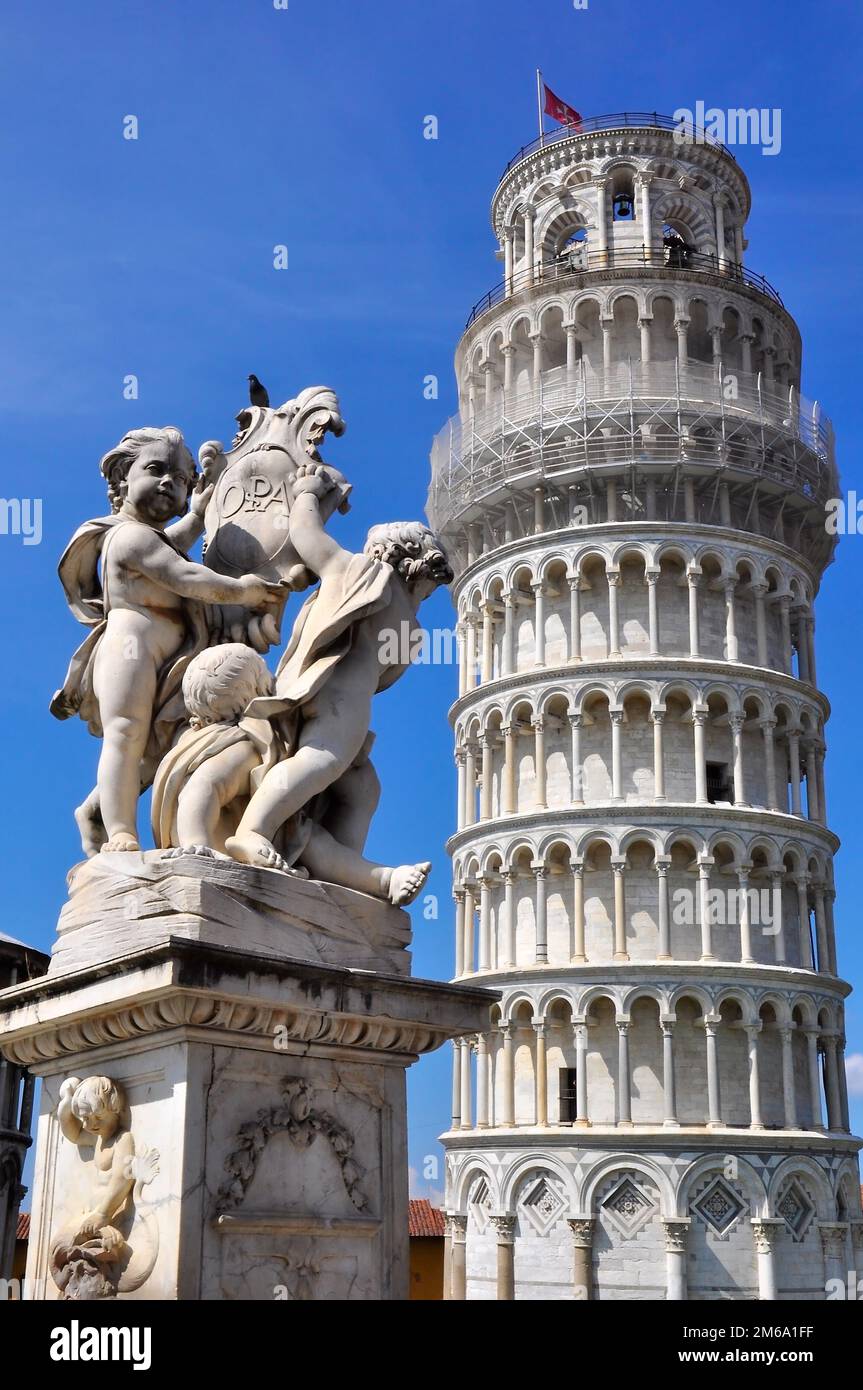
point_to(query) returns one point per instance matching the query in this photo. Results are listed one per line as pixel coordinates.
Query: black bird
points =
(257, 392)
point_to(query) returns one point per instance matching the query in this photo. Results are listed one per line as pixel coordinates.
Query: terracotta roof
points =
(423, 1218)
(23, 1231)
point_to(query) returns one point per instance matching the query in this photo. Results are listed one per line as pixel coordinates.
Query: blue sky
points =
(305, 127)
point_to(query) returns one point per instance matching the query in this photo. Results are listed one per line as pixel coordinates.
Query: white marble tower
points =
(633, 495)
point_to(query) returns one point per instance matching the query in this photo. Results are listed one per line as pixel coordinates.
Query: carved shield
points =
(247, 522)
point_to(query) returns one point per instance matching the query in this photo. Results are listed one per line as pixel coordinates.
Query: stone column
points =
(446, 1293)
(624, 1087)
(484, 954)
(746, 956)
(507, 1079)
(455, 1122)
(616, 716)
(720, 230)
(508, 790)
(811, 781)
(578, 952)
(759, 591)
(752, 1031)
(670, 1120)
(794, 758)
(802, 645)
(777, 911)
(466, 1086)
(582, 1249)
(746, 341)
(508, 238)
(487, 667)
(576, 770)
(821, 930)
(693, 581)
(840, 1072)
(737, 721)
(539, 623)
(469, 911)
(699, 720)
(834, 1099)
(613, 578)
(539, 762)
(644, 328)
(819, 778)
(459, 895)
(508, 354)
(662, 865)
(658, 718)
(644, 181)
(704, 912)
(458, 1225)
(788, 1092)
(486, 777)
(814, 1078)
(574, 620)
(651, 579)
(470, 751)
(508, 655)
(536, 344)
(714, 1099)
(601, 224)
(461, 636)
(528, 245)
(681, 328)
(541, 1075)
(509, 878)
(715, 331)
(461, 787)
(540, 874)
(731, 651)
(470, 649)
(582, 1120)
(481, 1081)
(834, 1235)
(765, 1231)
(767, 727)
(617, 867)
(504, 1225)
(829, 899)
(785, 620)
(802, 881)
(571, 332)
(676, 1231)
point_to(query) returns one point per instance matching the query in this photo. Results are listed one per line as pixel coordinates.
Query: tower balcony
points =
(578, 267)
(672, 442)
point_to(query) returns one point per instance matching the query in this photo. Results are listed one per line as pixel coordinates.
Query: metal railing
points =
(636, 413)
(689, 134)
(574, 264)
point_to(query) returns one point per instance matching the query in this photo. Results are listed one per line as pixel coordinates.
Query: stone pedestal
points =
(264, 1094)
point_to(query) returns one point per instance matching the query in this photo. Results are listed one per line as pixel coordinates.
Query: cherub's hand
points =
(211, 458)
(261, 593)
(313, 478)
(69, 1087)
(91, 1225)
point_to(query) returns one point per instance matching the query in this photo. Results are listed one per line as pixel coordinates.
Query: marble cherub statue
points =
(91, 1257)
(203, 784)
(149, 618)
(333, 665)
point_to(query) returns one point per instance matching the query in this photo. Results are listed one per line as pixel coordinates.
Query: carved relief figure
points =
(95, 1255)
(148, 617)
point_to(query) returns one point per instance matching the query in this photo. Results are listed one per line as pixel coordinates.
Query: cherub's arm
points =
(146, 552)
(186, 531)
(71, 1126)
(315, 547)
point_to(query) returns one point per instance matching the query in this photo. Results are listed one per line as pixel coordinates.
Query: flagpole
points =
(539, 105)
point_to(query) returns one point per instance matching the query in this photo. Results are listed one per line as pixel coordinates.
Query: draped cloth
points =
(194, 748)
(88, 597)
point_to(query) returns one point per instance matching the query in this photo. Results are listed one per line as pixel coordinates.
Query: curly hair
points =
(115, 465)
(411, 548)
(96, 1093)
(220, 682)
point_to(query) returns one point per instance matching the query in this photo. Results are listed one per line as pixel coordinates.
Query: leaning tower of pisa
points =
(632, 494)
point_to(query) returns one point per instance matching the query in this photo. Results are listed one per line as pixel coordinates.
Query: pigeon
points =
(257, 392)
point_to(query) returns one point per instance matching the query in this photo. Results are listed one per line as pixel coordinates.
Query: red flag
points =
(559, 111)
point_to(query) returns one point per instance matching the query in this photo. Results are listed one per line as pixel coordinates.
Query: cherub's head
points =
(98, 1103)
(220, 682)
(414, 552)
(150, 472)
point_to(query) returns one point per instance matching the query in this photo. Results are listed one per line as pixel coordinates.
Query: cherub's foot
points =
(88, 819)
(406, 881)
(252, 848)
(123, 840)
(203, 851)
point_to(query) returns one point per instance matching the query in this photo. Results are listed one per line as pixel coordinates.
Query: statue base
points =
(265, 1099)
